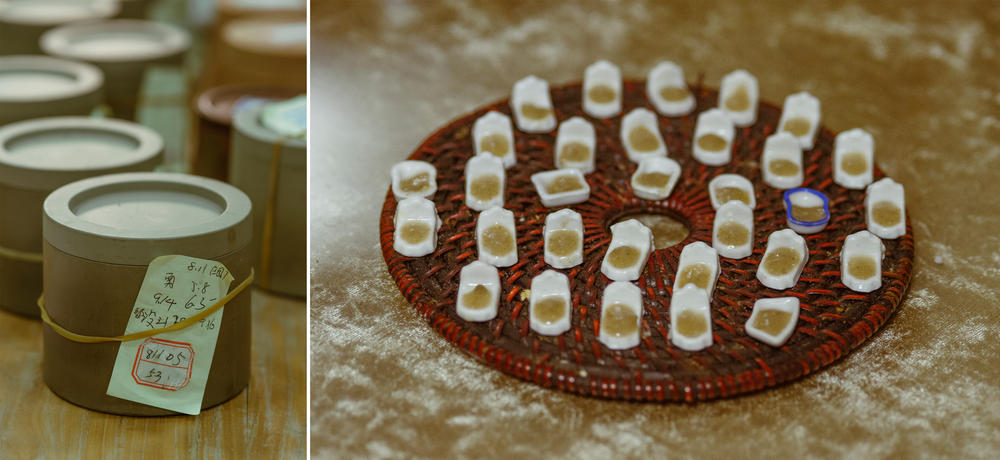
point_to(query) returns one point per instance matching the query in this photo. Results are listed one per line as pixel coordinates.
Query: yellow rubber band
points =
(22, 256)
(141, 335)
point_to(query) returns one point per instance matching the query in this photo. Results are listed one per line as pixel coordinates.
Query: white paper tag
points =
(169, 370)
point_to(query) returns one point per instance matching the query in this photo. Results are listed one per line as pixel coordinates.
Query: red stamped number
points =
(163, 364)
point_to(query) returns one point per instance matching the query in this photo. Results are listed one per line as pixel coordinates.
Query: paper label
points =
(169, 370)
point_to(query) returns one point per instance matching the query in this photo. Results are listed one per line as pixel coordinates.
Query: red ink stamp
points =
(163, 364)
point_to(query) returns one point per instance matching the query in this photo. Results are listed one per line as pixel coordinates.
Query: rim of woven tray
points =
(614, 379)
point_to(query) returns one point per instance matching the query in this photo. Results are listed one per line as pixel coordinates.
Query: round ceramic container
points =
(39, 156)
(22, 22)
(215, 108)
(41, 86)
(253, 148)
(122, 48)
(100, 235)
(264, 51)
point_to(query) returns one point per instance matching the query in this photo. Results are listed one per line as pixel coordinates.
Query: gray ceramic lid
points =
(133, 218)
(55, 12)
(30, 79)
(248, 123)
(46, 153)
(118, 40)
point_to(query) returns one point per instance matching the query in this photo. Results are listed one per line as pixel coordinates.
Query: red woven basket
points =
(833, 320)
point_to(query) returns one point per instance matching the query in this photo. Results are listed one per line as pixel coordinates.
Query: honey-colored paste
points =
(782, 261)
(862, 267)
(808, 213)
(691, 324)
(619, 321)
(497, 240)
(416, 183)
(674, 93)
(886, 213)
(712, 143)
(562, 243)
(485, 187)
(783, 168)
(601, 94)
(534, 112)
(563, 183)
(550, 309)
(727, 194)
(733, 234)
(414, 232)
(496, 144)
(653, 179)
(642, 139)
(798, 126)
(478, 298)
(623, 257)
(772, 322)
(738, 100)
(699, 274)
(574, 152)
(854, 163)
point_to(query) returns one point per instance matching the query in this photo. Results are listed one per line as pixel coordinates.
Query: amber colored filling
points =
(623, 257)
(854, 163)
(782, 261)
(574, 152)
(690, 323)
(497, 240)
(653, 180)
(733, 234)
(798, 126)
(496, 144)
(601, 94)
(485, 187)
(416, 183)
(674, 93)
(712, 143)
(772, 322)
(699, 274)
(415, 232)
(642, 139)
(534, 112)
(738, 100)
(808, 213)
(886, 214)
(783, 168)
(727, 194)
(862, 267)
(550, 309)
(619, 321)
(478, 298)
(562, 184)
(562, 243)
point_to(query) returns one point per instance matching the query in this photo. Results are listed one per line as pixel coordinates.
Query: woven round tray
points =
(833, 320)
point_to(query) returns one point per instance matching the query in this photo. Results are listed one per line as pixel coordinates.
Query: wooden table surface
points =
(267, 420)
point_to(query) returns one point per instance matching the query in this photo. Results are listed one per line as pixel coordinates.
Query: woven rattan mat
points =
(833, 320)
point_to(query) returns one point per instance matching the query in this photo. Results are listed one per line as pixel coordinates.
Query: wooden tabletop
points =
(267, 420)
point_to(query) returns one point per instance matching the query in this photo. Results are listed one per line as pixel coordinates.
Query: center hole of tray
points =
(667, 230)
